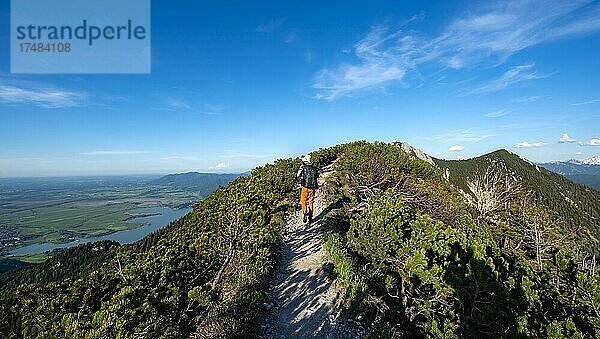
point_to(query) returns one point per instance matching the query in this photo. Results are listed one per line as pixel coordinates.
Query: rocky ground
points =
(302, 301)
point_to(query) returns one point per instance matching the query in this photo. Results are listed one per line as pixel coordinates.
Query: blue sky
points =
(238, 84)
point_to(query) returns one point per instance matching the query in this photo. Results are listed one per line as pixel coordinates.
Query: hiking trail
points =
(302, 301)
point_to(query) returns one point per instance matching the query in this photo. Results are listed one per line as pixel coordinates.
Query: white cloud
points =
(219, 166)
(591, 142)
(585, 102)
(579, 153)
(565, 138)
(512, 76)
(491, 31)
(114, 152)
(456, 148)
(526, 144)
(496, 114)
(42, 97)
(383, 56)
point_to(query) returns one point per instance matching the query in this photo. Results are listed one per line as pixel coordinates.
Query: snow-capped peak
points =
(591, 161)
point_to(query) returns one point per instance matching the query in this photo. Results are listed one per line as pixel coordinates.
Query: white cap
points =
(306, 158)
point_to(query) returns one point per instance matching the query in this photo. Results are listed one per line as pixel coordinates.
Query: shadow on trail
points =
(302, 293)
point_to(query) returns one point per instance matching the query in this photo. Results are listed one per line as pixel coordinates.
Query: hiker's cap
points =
(306, 158)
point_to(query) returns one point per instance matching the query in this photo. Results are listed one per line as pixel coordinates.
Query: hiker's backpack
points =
(309, 176)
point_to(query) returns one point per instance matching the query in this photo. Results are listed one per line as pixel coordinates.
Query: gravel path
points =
(302, 299)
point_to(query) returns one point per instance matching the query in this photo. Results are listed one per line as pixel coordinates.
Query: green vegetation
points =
(482, 254)
(570, 208)
(587, 179)
(8, 264)
(413, 258)
(58, 223)
(203, 274)
(34, 258)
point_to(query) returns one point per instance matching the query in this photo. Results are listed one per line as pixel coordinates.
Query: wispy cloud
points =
(115, 152)
(527, 99)
(526, 144)
(464, 135)
(309, 56)
(270, 26)
(384, 57)
(591, 142)
(176, 104)
(496, 114)
(456, 148)
(503, 28)
(490, 32)
(565, 138)
(236, 154)
(512, 76)
(180, 157)
(586, 102)
(41, 96)
(213, 109)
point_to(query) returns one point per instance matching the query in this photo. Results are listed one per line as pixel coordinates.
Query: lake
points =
(164, 215)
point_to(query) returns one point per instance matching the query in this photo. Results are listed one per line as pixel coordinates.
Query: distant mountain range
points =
(586, 172)
(205, 183)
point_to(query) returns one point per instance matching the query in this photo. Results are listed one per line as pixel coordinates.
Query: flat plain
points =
(36, 210)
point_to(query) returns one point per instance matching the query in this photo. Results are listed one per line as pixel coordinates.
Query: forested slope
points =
(203, 274)
(415, 256)
(517, 185)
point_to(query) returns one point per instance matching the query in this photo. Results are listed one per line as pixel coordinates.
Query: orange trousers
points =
(307, 195)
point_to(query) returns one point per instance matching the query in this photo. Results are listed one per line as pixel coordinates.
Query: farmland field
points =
(58, 210)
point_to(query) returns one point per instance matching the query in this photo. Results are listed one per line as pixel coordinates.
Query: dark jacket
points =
(307, 176)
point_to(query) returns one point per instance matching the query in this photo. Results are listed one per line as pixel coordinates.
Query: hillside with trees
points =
(420, 250)
(506, 187)
(489, 247)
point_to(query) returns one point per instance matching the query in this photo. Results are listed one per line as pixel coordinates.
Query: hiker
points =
(307, 178)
